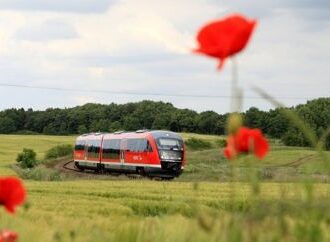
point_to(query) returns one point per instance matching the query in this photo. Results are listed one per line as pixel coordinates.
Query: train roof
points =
(164, 133)
(139, 133)
(90, 136)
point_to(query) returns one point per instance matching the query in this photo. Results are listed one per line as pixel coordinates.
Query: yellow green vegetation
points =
(11, 145)
(170, 211)
(290, 202)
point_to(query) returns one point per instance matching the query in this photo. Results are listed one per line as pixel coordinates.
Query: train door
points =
(123, 146)
(111, 152)
(79, 150)
(85, 151)
(136, 153)
(122, 157)
(93, 152)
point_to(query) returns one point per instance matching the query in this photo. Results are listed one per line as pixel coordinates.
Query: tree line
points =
(160, 115)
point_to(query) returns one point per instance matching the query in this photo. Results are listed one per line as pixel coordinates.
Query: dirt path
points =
(296, 163)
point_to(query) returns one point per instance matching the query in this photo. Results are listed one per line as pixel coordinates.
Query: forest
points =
(160, 115)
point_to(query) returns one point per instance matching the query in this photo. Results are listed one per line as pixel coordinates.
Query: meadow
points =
(282, 198)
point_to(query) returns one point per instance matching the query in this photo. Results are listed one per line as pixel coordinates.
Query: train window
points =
(169, 143)
(111, 149)
(138, 145)
(149, 148)
(93, 148)
(80, 145)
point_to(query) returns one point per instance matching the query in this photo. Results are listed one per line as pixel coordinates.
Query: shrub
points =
(27, 158)
(59, 151)
(294, 137)
(198, 144)
(40, 173)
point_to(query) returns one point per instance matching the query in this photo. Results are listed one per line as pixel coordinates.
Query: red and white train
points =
(152, 153)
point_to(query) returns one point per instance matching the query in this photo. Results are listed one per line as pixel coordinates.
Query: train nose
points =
(176, 167)
(173, 166)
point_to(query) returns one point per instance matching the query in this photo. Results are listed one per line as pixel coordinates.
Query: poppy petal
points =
(246, 140)
(12, 193)
(261, 147)
(225, 37)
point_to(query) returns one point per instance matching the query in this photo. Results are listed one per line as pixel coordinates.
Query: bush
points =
(294, 137)
(27, 158)
(39, 173)
(198, 144)
(59, 151)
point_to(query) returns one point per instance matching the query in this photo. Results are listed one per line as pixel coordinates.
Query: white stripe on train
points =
(117, 164)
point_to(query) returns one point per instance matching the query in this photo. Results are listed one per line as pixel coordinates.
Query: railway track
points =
(65, 166)
(70, 167)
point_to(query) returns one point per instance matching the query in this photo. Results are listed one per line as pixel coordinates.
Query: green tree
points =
(102, 125)
(207, 122)
(7, 125)
(82, 129)
(132, 123)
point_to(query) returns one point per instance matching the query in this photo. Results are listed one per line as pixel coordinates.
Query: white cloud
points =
(79, 6)
(144, 46)
(47, 31)
(81, 100)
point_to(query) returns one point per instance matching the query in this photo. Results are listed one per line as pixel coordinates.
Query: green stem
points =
(234, 86)
(297, 121)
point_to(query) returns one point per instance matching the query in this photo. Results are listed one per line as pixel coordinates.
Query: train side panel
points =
(111, 152)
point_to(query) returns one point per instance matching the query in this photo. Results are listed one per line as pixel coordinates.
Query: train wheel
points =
(141, 171)
(100, 169)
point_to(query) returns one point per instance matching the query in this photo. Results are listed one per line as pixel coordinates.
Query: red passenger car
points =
(152, 153)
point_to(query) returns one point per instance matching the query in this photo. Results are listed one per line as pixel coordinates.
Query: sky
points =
(135, 50)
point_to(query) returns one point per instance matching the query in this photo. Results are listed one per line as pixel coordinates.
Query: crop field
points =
(282, 198)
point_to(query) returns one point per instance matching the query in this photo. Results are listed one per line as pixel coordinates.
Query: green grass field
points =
(290, 202)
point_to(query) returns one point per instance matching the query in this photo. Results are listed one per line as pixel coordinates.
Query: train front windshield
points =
(170, 149)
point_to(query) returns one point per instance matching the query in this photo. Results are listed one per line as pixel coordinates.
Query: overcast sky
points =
(144, 46)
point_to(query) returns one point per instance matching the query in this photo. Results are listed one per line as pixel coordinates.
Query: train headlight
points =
(164, 155)
(170, 155)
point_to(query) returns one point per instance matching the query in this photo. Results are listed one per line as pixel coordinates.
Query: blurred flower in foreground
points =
(234, 122)
(8, 236)
(246, 140)
(12, 193)
(224, 38)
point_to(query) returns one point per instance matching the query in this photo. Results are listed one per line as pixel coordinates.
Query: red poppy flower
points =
(246, 140)
(224, 38)
(8, 236)
(12, 193)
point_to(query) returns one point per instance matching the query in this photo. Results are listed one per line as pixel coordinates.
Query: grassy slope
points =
(10, 145)
(142, 210)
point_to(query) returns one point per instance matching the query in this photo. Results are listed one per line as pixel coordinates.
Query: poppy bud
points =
(234, 122)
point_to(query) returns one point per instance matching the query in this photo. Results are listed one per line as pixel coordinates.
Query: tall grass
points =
(280, 208)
